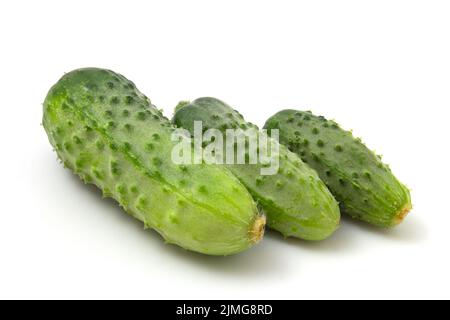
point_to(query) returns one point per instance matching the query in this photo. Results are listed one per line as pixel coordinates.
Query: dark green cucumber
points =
(109, 134)
(297, 203)
(364, 186)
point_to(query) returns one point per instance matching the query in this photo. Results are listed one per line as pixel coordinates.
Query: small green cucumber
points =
(364, 186)
(297, 203)
(110, 135)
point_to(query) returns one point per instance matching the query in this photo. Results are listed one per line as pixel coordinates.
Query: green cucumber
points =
(364, 186)
(297, 203)
(110, 135)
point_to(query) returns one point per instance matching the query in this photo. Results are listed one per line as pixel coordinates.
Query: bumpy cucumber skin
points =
(297, 203)
(365, 187)
(109, 134)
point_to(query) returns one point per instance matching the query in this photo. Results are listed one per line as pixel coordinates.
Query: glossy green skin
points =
(109, 134)
(297, 203)
(364, 186)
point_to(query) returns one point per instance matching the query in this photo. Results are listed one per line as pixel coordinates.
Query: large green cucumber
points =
(297, 203)
(364, 186)
(110, 135)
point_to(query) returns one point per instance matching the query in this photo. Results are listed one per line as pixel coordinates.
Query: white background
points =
(381, 68)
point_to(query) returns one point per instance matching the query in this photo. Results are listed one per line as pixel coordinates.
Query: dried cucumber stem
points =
(257, 229)
(401, 215)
